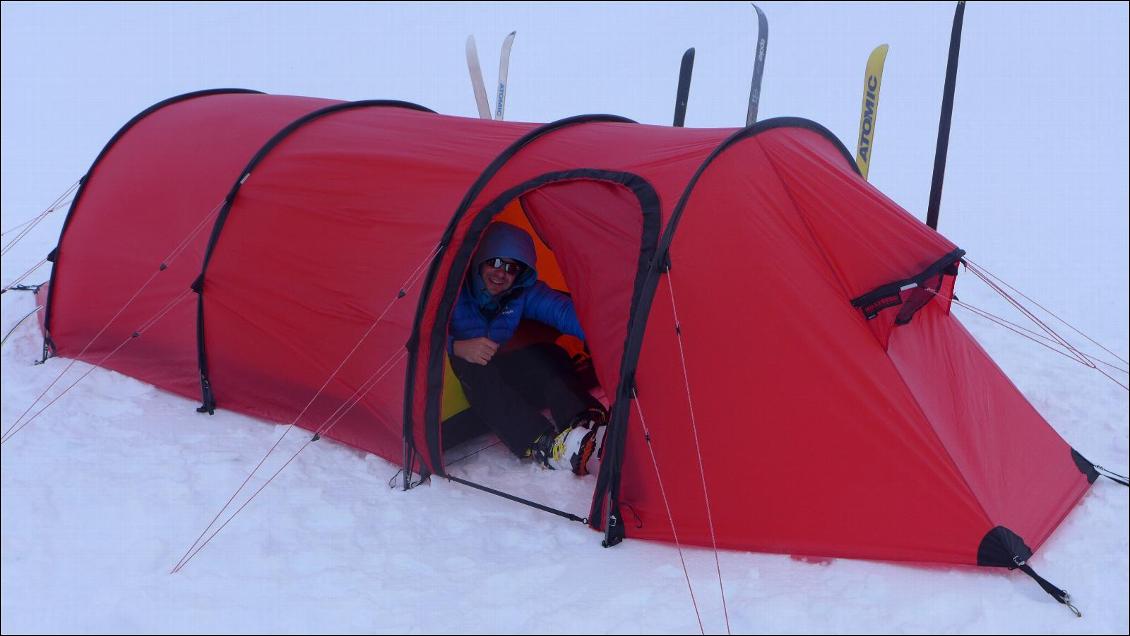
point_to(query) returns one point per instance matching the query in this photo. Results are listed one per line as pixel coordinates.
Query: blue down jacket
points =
(478, 314)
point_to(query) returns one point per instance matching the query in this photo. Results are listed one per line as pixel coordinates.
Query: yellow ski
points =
(869, 112)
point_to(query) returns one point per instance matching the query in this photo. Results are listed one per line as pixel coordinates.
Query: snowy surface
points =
(105, 491)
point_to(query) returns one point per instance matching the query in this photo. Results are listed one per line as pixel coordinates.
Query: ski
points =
(684, 90)
(477, 78)
(944, 121)
(758, 65)
(503, 71)
(869, 111)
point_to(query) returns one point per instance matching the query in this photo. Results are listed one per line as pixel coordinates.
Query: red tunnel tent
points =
(752, 306)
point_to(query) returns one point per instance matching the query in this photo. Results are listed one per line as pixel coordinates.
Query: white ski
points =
(503, 70)
(477, 78)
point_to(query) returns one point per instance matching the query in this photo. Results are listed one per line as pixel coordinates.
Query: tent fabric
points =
(935, 345)
(822, 394)
(162, 177)
(829, 399)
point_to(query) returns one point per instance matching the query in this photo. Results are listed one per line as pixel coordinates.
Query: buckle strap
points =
(1060, 595)
(889, 295)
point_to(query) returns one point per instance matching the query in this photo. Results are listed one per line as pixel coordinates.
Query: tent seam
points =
(807, 226)
(945, 447)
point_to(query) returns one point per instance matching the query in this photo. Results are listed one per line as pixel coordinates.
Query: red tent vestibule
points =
(752, 305)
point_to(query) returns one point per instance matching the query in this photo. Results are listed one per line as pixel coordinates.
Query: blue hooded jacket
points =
(478, 314)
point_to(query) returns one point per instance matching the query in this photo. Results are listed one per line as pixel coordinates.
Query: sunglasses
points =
(506, 266)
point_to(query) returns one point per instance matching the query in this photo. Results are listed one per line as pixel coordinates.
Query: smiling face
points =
(499, 274)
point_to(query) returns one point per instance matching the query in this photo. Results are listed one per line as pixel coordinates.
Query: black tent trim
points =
(649, 208)
(477, 187)
(1001, 547)
(1084, 466)
(608, 482)
(57, 252)
(208, 401)
(874, 301)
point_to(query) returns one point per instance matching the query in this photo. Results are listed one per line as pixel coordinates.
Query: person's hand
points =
(475, 350)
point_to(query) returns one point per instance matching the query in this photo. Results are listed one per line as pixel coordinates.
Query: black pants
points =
(509, 392)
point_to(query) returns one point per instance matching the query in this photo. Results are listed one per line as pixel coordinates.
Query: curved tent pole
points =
(608, 481)
(476, 188)
(49, 346)
(648, 201)
(276, 140)
(208, 402)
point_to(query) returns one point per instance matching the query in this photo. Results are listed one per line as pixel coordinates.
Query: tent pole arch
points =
(56, 254)
(605, 500)
(208, 402)
(476, 188)
(648, 201)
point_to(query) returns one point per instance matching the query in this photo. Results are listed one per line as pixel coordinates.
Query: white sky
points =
(1038, 155)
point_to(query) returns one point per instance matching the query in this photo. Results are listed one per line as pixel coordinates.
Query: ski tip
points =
(512, 34)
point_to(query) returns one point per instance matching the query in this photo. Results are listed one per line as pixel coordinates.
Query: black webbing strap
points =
(568, 515)
(408, 483)
(890, 295)
(1060, 595)
(1113, 476)
(1003, 548)
(31, 288)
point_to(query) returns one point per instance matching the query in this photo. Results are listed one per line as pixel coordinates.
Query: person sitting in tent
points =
(507, 389)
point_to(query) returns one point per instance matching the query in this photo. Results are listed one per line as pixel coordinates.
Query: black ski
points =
(684, 90)
(944, 122)
(758, 65)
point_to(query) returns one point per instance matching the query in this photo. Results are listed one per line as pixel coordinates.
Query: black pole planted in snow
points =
(944, 122)
(682, 94)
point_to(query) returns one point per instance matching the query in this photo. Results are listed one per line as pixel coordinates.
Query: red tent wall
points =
(809, 436)
(1020, 469)
(163, 178)
(791, 394)
(861, 235)
(334, 222)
